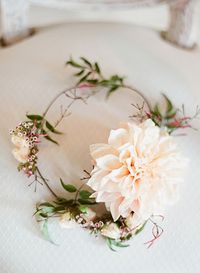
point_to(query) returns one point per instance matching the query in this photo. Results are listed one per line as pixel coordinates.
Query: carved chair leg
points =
(14, 21)
(184, 24)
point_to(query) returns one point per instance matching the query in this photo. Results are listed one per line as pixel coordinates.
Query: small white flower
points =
(89, 215)
(111, 230)
(67, 221)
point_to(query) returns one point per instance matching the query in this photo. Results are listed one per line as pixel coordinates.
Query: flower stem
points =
(45, 182)
(55, 98)
(77, 193)
(139, 93)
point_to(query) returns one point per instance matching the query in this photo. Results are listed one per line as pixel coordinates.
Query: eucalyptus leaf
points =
(45, 231)
(110, 244)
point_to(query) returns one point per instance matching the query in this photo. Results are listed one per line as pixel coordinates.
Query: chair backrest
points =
(182, 29)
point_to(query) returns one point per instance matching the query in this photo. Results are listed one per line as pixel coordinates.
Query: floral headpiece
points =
(135, 174)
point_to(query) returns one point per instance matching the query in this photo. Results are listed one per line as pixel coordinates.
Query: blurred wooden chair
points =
(182, 31)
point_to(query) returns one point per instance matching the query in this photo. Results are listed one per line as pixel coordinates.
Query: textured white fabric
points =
(31, 73)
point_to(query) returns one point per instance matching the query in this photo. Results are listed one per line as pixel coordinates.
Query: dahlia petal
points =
(118, 137)
(98, 178)
(125, 207)
(108, 162)
(117, 174)
(100, 150)
(105, 197)
(110, 186)
(114, 208)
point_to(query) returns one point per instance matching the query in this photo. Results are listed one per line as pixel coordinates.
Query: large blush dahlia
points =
(139, 170)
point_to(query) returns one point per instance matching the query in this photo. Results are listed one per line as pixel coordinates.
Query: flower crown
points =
(135, 174)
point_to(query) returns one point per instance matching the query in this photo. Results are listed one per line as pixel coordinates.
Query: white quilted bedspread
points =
(31, 73)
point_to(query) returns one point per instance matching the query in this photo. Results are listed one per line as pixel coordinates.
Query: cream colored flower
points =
(111, 230)
(21, 154)
(21, 150)
(67, 221)
(139, 170)
(19, 142)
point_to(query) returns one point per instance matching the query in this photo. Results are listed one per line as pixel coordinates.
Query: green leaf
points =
(93, 81)
(45, 231)
(84, 194)
(119, 244)
(156, 111)
(169, 104)
(46, 210)
(84, 78)
(73, 63)
(46, 136)
(52, 129)
(44, 215)
(79, 73)
(172, 114)
(97, 68)
(111, 90)
(83, 208)
(86, 61)
(64, 201)
(50, 139)
(86, 202)
(140, 229)
(110, 244)
(46, 204)
(68, 187)
(34, 117)
(60, 208)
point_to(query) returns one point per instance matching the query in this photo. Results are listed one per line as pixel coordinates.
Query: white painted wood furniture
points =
(182, 31)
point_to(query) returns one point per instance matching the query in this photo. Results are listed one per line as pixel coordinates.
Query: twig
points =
(35, 181)
(139, 93)
(45, 182)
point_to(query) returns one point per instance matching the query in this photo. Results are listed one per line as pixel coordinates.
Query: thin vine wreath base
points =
(77, 210)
